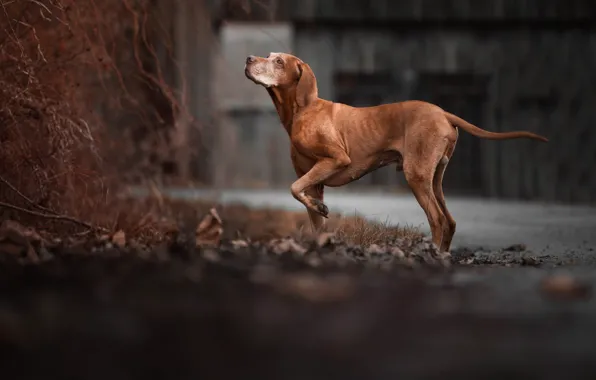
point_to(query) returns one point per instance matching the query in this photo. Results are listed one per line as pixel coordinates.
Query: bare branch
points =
(52, 217)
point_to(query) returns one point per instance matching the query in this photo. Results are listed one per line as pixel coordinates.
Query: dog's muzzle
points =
(249, 75)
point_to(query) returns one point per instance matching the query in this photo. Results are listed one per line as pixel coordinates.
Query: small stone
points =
(374, 249)
(397, 252)
(468, 261)
(287, 246)
(324, 239)
(239, 244)
(516, 248)
(530, 261)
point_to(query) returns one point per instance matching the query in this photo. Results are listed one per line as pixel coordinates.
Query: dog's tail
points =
(479, 132)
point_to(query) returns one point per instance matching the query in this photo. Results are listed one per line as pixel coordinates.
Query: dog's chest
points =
(364, 166)
(302, 163)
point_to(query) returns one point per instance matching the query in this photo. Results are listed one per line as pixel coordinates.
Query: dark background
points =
(501, 64)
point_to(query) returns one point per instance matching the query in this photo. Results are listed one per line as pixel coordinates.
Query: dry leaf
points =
(209, 230)
(119, 239)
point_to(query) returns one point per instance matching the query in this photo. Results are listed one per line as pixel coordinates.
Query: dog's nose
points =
(251, 59)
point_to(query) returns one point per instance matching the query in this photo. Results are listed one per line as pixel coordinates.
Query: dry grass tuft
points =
(358, 230)
(153, 219)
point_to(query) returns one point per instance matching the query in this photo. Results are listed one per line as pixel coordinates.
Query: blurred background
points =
(97, 93)
(500, 64)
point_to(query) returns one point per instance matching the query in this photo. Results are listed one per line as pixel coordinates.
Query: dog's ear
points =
(306, 90)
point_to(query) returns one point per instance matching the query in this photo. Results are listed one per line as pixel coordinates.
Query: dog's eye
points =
(279, 61)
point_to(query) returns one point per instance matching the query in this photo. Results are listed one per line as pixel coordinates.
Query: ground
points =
(564, 232)
(316, 309)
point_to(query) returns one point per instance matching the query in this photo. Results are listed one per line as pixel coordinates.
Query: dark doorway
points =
(465, 95)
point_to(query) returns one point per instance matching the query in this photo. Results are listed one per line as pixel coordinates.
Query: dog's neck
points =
(284, 100)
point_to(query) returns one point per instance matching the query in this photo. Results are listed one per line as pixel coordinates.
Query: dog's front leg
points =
(316, 220)
(316, 176)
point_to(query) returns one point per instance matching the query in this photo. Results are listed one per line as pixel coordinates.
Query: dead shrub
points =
(80, 86)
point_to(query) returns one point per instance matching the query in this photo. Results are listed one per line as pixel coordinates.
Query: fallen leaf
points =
(119, 239)
(209, 230)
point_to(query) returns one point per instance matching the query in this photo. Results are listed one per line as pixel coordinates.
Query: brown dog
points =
(333, 144)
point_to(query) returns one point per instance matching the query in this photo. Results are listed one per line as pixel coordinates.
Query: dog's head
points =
(283, 71)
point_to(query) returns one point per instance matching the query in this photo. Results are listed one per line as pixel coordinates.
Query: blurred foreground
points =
(258, 304)
(248, 311)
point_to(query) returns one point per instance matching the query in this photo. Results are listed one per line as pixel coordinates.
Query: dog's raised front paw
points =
(320, 208)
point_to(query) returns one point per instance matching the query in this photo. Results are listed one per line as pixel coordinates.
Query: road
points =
(546, 229)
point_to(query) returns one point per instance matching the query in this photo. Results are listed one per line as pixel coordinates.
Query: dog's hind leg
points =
(420, 165)
(449, 227)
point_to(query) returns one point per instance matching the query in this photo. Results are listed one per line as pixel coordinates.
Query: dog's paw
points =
(320, 208)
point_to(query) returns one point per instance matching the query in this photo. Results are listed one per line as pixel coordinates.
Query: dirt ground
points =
(284, 305)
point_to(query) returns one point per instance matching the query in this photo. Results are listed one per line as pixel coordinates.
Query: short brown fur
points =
(333, 144)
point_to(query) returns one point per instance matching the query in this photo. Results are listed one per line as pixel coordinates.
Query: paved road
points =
(547, 229)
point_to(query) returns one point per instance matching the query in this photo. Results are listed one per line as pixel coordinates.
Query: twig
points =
(26, 198)
(47, 216)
